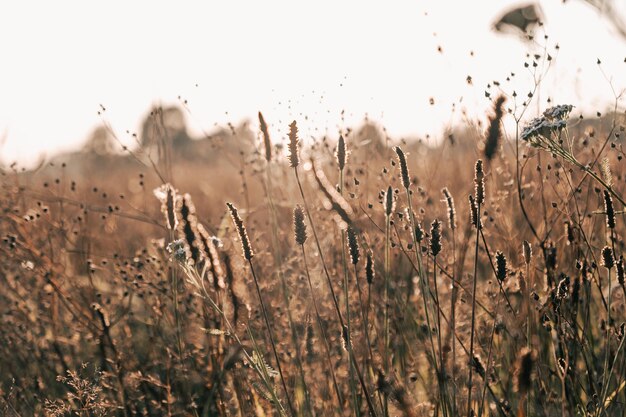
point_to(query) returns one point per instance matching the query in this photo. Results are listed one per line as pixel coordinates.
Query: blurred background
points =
(417, 68)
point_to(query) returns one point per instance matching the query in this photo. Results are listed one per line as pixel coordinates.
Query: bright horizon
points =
(291, 61)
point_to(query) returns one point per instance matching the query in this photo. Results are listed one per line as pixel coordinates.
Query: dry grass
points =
(113, 304)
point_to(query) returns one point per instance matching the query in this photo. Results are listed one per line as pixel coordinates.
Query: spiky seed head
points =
(527, 250)
(494, 132)
(299, 225)
(419, 232)
(353, 246)
(435, 237)
(370, 270)
(605, 168)
(620, 270)
(478, 366)
(608, 261)
(609, 210)
(501, 268)
(266, 138)
(479, 182)
(474, 215)
(294, 159)
(241, 230)
(451, 209)
(390, 202)
(166, 194)
(188, 227)
(346, 341)
(569, 232)
(404, 169)
(524, 371)
(341, 153)
(211, 256)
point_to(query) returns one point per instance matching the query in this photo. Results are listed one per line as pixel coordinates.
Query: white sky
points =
(229, 59)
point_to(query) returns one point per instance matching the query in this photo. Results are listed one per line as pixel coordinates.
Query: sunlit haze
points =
(292, 60)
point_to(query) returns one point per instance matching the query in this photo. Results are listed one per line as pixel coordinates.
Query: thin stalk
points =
(332, 291)
(425, 292)
(386, 364)
(322, 331)
(471, 352)
(269, 332)
(453, 321)
(285, 289)
(346, 294)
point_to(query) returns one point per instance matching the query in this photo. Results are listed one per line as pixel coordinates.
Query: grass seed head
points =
(299, 225)
(266, 138)
(353, 246)
(608, 261)
(294, 159)
(341, 153)
(404, 169)
(501, 267)
(435, 237)
(451, 209)
(243, 234)
(370, 271)
(479, 182)
(527, 251)
(390, 202)
(609, 210)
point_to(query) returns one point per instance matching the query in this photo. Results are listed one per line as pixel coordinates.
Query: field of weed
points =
(348, 275)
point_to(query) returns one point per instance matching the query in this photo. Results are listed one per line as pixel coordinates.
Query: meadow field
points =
(353, 274)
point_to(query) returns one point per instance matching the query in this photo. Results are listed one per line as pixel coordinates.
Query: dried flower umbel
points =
(540, 131)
